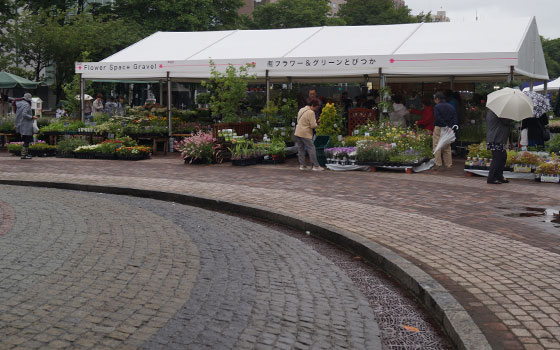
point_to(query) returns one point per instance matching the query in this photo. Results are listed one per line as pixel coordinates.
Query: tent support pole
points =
(531, 84)
(546, 87)
(169, 113)
(381, 79)
(452, 83)
(130, 94)
(161, 92)
(511, 71)
(290, 85)
(82, 116)
(267, 88)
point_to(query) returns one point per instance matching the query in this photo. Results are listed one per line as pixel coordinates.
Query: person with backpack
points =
(24, 123)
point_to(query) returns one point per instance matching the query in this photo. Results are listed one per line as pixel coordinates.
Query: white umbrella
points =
(446, 137)
(86, 97)
(510, 103)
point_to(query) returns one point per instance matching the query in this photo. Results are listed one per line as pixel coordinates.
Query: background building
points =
(441, 16)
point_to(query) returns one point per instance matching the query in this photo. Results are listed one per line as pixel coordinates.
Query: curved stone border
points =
(455, 320)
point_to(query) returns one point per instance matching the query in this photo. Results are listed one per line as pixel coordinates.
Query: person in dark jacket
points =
(535, 129)
(24, 123)
(497, 131)
(444, 116)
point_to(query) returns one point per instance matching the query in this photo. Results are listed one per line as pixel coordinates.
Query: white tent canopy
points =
(464, 51)
(551, 86)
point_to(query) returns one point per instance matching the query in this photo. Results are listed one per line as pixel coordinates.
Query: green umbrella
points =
(8, 81)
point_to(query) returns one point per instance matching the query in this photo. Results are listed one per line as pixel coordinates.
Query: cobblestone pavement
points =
(470, 236)
(87, 271)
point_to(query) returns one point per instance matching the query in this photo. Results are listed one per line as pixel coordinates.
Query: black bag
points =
(545, 132)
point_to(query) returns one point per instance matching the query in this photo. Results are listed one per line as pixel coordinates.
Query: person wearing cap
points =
(24, 123)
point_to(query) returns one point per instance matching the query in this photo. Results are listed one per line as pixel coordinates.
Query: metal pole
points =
(82, 115)
(511, 76)
(531, 84)
(381, 79)
(267, 88)
(290, 85)
(169, 103)
(452, 83)
(161, 92)
(546, 87)
(171, 140)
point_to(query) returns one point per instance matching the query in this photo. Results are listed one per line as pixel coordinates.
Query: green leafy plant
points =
(7, 125)
(277, 147)
(478, 150)
(554, 144)
(227, 90)
(385, 105)
(70, 145)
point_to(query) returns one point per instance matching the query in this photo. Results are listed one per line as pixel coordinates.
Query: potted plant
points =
(277, 149)
(548, 172)
(369, 152)
(86, 152)
(65, 148)
(133, 153)
(197, 149)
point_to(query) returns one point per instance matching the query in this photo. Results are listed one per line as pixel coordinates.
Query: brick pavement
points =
(93, 271)
(502, 269)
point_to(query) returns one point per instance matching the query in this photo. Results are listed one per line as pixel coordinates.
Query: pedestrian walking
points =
(24, 123)
(306, 123)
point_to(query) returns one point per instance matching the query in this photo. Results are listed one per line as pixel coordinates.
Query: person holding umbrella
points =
(536, 126)
(503, 106)
(497, 131)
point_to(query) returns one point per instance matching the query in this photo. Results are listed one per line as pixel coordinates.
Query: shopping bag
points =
(446, 137)
(35, 127)
(524, 137)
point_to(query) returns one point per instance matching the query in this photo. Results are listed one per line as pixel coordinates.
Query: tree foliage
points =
(38, 40)
(227, 91)
(179, 15)
(372, 12)
(291, 14)
(551, 48)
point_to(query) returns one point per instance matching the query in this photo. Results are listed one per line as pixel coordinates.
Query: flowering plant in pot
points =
(198, 148)
(548, 171)
(134, 152)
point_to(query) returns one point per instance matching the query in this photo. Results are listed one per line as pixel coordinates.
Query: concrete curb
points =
(454, 319)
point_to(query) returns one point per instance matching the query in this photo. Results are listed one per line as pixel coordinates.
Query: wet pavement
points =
(87, 271)
(503, 269)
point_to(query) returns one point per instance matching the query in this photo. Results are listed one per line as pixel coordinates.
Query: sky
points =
(547, 12)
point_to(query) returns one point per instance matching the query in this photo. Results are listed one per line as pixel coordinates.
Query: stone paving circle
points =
(502, 267)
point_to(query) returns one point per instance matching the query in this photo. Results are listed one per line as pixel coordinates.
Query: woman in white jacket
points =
(399, 113)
